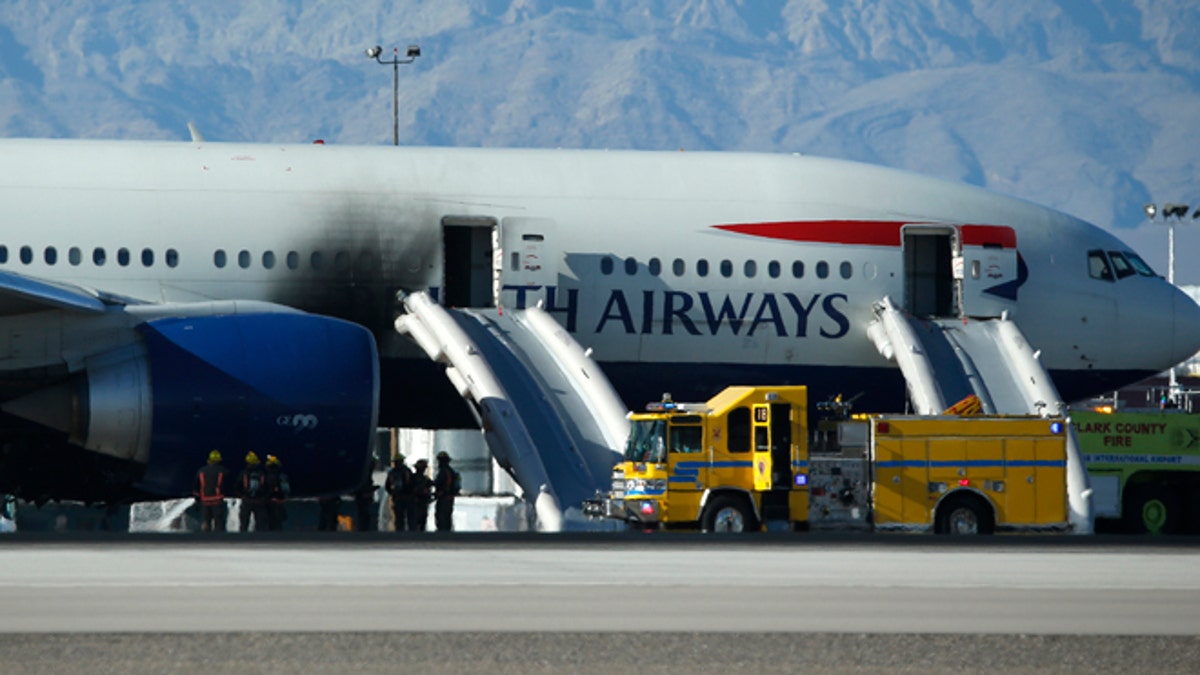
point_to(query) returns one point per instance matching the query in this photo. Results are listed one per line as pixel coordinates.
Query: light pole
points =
(410, 55)
(1169, 211)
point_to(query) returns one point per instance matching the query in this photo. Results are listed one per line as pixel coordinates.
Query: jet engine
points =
(302, 387)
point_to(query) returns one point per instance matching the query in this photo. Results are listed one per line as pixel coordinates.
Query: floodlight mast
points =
(410, 55)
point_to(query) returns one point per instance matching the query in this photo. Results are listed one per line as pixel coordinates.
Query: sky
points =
(1088, 106)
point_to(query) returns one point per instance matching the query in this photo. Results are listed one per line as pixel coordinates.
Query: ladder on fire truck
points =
(944, 361)
(548, 413)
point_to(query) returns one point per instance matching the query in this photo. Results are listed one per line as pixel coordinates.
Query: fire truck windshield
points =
(647, 441)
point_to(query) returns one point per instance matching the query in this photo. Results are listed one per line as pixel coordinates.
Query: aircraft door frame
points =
(468, 261)
(933, 268)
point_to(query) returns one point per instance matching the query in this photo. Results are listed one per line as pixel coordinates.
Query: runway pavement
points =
(1054, 593)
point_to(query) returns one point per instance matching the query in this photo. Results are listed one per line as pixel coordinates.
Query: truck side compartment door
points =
(762, 447)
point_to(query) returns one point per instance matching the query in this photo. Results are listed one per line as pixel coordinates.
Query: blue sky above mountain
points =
(1088, 106)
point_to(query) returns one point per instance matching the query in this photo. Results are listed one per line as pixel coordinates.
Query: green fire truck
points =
(1144, 468)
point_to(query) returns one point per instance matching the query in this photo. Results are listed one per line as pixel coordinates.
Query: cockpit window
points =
(1139, 264)
(1098, 267)
(1121, 265)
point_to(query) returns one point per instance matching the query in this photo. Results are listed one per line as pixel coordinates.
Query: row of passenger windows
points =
(1114, 265)
(99, 256)
(725, 268)
(341, 260)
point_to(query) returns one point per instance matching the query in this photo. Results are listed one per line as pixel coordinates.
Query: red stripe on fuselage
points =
(866, 232)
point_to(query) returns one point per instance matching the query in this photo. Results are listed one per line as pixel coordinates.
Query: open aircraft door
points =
(762, 447)
(528, 260)
(988, 269)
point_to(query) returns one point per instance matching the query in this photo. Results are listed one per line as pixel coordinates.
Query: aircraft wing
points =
(20, 294)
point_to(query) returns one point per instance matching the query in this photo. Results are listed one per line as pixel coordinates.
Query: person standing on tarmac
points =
(209, 491)
(422, 490)
(399, 485)
(254, 495)
(277, 492)
(446, 484)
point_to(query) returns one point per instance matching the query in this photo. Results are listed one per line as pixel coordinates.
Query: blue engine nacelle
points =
(302, 387)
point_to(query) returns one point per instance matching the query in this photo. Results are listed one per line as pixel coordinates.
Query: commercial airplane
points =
(160, 299)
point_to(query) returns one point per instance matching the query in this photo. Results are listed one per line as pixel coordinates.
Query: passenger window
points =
(219, 259)
(606, 265)
(822, 270)
(1098, 266)
(172, 257)
(268, 259)
(631, 266)
(846, 269)
(701, 268)
(99, 257)
(123, 257)
(679, 267)
(655, 266)
(74, 255)
(726, 268)
(750, 269)
(147, 257)
(1121, 265)
(739, 430)
(244, 259)
(50, 255)
(341, 261)
(686, 439)
(797, 269)
(293, 260)
(3, 254)
(26, 255)
(773, 269)
(315, 260)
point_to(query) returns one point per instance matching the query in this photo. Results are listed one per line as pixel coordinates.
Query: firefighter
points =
(277, 492)
(399, 486)
(254, 495)
(447, 483)
(209, 491)
(422, 490)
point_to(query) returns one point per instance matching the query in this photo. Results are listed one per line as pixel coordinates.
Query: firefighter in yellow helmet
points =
(209, 491)
(254, 495)
(277, 492)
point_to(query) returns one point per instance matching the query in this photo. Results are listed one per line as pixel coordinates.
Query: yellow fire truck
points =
(748, 457)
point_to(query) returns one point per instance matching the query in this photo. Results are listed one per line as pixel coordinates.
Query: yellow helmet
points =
(214, 457)
(272, 460)
(251, 458)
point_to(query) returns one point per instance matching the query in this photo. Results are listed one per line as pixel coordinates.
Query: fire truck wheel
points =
(1151, 510)
(729, 514)
(964, 514)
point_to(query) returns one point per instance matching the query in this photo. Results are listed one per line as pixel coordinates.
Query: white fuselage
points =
(614, 243)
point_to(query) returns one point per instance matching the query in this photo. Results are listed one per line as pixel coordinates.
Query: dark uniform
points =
(209, 491)
(422, 491)
(277, 493)
(445, 485)
(399, 486)
(328, 519)
(254, 495)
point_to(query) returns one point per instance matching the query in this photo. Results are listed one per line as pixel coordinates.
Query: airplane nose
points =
(1185, 338)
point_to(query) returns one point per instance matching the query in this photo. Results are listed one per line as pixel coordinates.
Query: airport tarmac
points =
(1064, 598)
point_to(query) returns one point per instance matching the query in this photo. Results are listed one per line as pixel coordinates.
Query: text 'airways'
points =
(700, 313)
